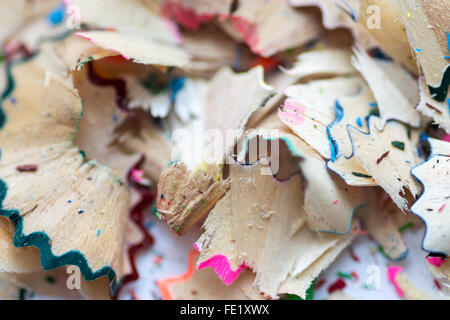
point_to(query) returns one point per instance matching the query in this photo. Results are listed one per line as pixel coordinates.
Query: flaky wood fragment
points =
(269, 27)
(394, 89)
(206, 9)
(441, 271)
(73, 211)
(205, 285)
(77, 51)
(328, 209)
(185, 197)
(382, 20)
(131, 16)
(380, 223)
(393, 171)
(427, 26)
(410, 290)
(260, 224)
(16, 14)
(317, 109)
(12, 259)
(335, 13)
(404, 287)
(433, 207)
(228, 110)
(439, 111)
(328, 62)
(210, 49)
(138, 48)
